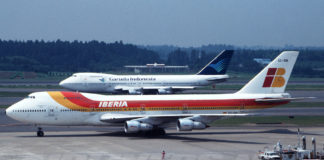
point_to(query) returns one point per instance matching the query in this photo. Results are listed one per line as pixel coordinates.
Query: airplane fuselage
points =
(98, 82)
(73, 108)
(213, 72)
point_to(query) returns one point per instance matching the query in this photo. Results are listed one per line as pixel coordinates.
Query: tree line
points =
(95, 56)
(76, 56)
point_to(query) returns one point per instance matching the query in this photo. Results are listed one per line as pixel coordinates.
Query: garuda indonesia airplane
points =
(153, 113)
(213, 72)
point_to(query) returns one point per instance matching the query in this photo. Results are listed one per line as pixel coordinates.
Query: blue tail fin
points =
(218, 65)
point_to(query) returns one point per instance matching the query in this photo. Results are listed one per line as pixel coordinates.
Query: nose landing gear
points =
(40, 132)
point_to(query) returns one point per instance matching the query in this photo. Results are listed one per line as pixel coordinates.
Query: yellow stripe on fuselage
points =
(59, 98)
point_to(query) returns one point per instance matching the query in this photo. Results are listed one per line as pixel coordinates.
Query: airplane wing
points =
(131, 90)
(126, 88)
(169, 87)
(154, 88)
(219, 78)
(121, 118)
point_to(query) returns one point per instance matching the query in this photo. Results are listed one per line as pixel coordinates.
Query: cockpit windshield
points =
(30, 97)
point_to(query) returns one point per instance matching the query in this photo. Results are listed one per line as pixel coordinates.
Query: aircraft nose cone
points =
(65, 84)
(8, 111)
(62, 83)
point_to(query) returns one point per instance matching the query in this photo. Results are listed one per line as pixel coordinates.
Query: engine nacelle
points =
(135, 91)
(165, 91)
(188, 125)
(136, 126)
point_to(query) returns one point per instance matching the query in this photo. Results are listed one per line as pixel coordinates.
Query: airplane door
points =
(185, 109)
(92, 109)
(142, 109)
(52, 112)
(242, 107)
(85, 83)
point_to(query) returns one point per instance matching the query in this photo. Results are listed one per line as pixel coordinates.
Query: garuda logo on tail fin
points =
(218, 65)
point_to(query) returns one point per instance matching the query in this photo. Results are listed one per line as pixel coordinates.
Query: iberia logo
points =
(274, 77)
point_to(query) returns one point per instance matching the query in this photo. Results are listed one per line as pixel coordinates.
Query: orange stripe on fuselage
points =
(60, 98)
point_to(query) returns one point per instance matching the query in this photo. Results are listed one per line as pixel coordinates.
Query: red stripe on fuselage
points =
(83, 101)
(79, 99)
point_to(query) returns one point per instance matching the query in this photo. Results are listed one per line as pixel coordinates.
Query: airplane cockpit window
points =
(74, 75)
(30, 97)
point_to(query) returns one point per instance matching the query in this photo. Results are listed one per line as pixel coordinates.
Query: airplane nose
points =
(8, 111)
(65, 84)
(62, 83)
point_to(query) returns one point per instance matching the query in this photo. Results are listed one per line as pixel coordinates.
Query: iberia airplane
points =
(153, 113)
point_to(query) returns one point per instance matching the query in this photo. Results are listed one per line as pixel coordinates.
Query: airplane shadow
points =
(121, 134)
(180, 136)
(275, 131)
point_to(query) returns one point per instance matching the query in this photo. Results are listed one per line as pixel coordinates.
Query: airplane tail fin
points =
(274, 77)
(218, 65)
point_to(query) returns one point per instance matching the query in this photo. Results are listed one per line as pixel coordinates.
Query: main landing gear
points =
(155, 132)
(40, 132)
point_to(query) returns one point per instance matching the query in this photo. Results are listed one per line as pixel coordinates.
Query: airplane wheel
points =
(156, 132)
(161, 132)
(40, 134)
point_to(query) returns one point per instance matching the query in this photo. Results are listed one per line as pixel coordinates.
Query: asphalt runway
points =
(18, 141)
(210, 144)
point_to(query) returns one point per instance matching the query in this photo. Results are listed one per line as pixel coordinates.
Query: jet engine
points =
(135, 91)
(188, 125)
(136, 126)
(165, 91)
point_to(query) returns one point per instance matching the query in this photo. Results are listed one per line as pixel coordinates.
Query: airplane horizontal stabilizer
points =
(275, 100)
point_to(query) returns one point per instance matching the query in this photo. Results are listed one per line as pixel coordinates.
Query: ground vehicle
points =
(269, 155)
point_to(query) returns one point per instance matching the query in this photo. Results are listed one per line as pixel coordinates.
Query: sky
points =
(183, 23)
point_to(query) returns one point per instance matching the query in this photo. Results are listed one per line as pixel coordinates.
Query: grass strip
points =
(32, 86)
(4, 106)
(305, 87)
(303, 104)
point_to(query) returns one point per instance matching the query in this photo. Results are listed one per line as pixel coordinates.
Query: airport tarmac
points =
(210, 144)
(18, 141)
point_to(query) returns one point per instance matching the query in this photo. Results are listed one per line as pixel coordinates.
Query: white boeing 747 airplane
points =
(213, 72)
(153, 113)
